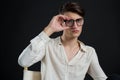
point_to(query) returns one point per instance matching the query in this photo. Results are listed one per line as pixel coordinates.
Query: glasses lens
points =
(69, 22)
(79, 21)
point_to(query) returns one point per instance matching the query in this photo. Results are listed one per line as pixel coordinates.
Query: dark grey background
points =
(22, 20)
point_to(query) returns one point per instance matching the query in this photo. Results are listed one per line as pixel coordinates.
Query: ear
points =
(83, 21)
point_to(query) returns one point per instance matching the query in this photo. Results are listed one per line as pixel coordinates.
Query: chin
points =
(76, 35)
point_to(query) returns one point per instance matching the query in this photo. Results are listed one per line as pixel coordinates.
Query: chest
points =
(71, 53)
(60, 55)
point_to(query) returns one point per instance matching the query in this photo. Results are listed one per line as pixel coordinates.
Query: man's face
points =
(75, 23)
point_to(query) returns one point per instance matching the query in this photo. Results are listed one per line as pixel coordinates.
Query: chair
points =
(31, 75)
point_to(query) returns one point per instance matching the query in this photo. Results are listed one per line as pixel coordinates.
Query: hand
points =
(56, 24)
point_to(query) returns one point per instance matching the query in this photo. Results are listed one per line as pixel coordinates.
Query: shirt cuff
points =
(44, 36)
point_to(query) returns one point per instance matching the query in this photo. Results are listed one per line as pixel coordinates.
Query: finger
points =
(63, 17)
(65, 27)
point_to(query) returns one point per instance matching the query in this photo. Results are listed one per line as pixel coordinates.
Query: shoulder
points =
(86, 48)
(89, 50)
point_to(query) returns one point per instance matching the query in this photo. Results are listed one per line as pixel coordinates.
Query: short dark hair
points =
(72, 7)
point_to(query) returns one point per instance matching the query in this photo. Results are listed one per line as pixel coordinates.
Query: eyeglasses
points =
(70, 22)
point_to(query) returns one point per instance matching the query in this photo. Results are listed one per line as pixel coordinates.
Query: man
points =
(65, 57)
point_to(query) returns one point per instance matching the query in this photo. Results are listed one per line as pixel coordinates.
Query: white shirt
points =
(54, 62)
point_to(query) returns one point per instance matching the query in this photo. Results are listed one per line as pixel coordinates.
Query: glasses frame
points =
(71, 22)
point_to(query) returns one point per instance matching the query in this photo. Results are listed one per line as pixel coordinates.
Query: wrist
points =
(48, 31)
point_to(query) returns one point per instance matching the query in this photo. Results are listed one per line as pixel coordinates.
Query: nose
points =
(75, 25)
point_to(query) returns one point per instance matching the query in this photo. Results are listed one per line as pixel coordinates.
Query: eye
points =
(79, 20)
(69, 22)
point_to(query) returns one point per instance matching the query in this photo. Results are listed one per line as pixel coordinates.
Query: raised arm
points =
(35, 51)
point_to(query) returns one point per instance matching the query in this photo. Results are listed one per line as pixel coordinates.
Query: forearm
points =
(48, 30)
(34, 51)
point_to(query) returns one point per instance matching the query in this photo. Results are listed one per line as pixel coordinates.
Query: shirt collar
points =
(82, 45)
(59, 41)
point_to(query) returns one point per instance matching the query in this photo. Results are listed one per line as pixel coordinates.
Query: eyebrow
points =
(72, 19)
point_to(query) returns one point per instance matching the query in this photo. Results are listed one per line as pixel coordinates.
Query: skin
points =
(70, 35)
(74, 31)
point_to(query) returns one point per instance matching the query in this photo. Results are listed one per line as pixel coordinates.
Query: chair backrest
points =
(31, 75)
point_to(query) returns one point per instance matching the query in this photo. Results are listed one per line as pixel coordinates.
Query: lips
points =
(75, 31)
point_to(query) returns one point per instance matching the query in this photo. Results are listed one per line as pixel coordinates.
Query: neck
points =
(67, 41)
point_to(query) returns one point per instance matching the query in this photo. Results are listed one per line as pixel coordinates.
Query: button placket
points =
(66, 72)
